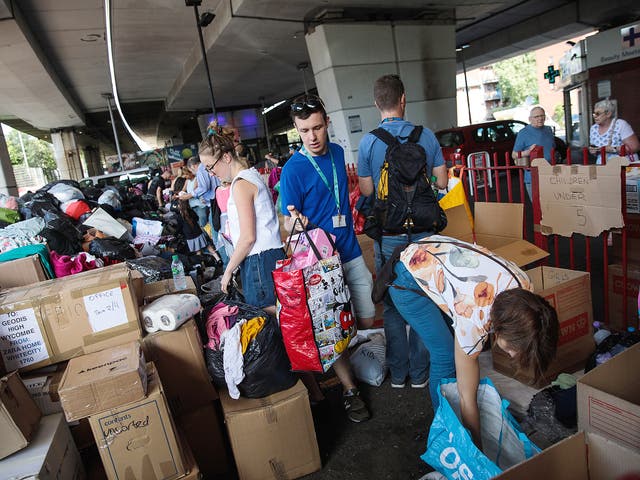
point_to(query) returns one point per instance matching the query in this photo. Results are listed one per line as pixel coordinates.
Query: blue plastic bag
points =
(450, 449)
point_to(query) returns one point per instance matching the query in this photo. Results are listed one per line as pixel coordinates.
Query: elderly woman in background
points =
(611, 132)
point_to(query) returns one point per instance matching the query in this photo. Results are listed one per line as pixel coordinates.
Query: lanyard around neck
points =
(336, 191)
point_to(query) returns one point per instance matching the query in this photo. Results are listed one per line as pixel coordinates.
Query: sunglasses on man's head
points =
(309, 102)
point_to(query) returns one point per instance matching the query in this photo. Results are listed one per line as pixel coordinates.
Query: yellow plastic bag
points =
(456, 196)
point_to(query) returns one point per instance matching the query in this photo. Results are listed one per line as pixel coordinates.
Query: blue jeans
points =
(427, 320)
(405, 356)
(255, 274)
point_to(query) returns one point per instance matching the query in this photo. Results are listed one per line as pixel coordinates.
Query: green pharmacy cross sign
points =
(551, 74)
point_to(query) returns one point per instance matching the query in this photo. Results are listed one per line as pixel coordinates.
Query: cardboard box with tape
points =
(569, 292)
(19, 415)
(272, 437)
(617, 286)
(51, 454)
(59, 319)
(43, 385)
(138, 440)
(583, 456)
(155, 290)
(609, 399)
(102, 380)
(179, 359)
(22, 272)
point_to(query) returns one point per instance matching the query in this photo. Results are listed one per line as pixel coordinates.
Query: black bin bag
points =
(267, 368)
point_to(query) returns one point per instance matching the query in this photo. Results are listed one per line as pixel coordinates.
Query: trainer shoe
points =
(355, 407)
(398, 385)
(420, 385)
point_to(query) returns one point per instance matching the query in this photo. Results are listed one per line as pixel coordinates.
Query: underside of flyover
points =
(54, 63)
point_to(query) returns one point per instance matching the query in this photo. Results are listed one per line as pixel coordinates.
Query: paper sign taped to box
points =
(580, 198)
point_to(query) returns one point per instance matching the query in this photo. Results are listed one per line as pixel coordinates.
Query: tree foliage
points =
(38, 152)
(517, 79)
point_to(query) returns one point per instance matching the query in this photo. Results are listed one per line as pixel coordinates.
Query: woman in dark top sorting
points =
(196, 238)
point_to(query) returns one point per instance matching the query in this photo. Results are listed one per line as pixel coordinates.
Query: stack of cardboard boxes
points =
(91, 320)
(607, 445)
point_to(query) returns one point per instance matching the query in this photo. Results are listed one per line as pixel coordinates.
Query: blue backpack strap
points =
(385, 136)
(414, 136)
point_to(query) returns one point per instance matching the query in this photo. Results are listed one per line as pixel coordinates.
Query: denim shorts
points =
(255, 275)
(360, 284)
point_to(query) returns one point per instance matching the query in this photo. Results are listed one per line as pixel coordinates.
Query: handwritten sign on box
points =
(105, 309)
(580, 198)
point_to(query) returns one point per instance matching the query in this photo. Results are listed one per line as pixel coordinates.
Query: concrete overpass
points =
(54, 64)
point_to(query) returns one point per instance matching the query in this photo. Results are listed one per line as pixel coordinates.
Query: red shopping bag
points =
(314, 310)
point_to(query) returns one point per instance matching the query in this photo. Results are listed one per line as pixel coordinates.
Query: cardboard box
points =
(584, 199)
(569, 292)
(19, 415)
(272, 437)
(51, 454)
(583, 456)
(203, 431)
(633, 191)
(21, 272)
(152, 291)
(632, 225)
(179, 358)
(498, 227)
(102, 380)
(58, 319)
(617, 286)
(43, 387)
(138, 440)
(608, 399)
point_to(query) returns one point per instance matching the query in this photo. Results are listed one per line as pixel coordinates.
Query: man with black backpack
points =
(398, 163)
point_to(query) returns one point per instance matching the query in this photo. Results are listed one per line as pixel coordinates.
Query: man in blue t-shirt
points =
(536, 134)
(314, 188)
(406, 357)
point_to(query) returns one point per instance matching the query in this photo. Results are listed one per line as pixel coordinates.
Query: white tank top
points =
(267, 225)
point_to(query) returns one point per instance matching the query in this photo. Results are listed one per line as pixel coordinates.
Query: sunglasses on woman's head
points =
(309, 102)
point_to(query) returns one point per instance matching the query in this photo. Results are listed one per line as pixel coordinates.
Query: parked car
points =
(126, 178)
(491, 137)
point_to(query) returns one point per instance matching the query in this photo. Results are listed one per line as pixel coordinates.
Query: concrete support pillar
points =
(92, 159)
(348, 58)
(67, 154)
(7, 179)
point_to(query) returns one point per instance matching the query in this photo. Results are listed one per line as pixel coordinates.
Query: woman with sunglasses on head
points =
(253, 223)
(611, 132)
(454, 294)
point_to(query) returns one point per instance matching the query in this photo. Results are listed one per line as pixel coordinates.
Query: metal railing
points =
(491, 181)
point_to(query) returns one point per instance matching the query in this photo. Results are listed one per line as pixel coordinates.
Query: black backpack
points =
(405, 202)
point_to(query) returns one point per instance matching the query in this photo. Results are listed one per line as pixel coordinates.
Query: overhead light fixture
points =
(275, 105)
(206, 18)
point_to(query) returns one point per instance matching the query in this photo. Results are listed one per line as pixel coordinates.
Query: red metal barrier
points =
(575, 252)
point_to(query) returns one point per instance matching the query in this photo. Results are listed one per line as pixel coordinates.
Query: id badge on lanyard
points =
(339, 220)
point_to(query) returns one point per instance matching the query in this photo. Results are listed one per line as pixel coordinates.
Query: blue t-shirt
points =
(372, 150)
(302, 187)
(539, 136)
